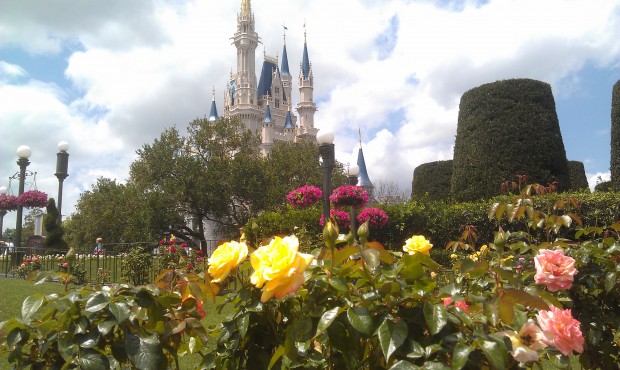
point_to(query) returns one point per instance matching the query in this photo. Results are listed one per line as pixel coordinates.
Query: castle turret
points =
(267, 131)
(213, 113)
(306, 106)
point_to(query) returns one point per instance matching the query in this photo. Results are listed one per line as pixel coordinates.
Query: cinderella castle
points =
(265, 105)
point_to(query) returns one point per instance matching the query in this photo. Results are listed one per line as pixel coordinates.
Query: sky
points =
(110, 76)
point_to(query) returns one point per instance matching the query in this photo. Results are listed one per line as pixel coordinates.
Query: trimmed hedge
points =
(578, 178)
(615, 137)
(507, 128)
(432, 179)
(440, 222)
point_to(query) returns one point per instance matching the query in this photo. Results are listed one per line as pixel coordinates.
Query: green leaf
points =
(495, 352)
(372, 257)
(302, 329)
(460, 355)
(145, 352)
(144, 298)
(404, 365)
(391, 336)
(435, 316)
(512, 296)
(276, 356)
(610, 281)
(361, 320)
(120, 310)
(342, 254)
(243, 322)
(30, 305)
(339, 283)
(97, 303)
(326, 320)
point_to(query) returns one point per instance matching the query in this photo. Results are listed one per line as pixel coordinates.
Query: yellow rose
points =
(279, 266)
(417, 244)
(225, 258)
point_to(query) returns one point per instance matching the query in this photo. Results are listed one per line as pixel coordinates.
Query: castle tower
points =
(287, 79)
(213, 113)
(267, 132)
(306, 106)
(241, 98)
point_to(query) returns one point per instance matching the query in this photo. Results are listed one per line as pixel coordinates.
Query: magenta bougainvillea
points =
(353, 196)
(342, 218)
(376, 217)
(304, 196)
(32, 199)
(8, 202)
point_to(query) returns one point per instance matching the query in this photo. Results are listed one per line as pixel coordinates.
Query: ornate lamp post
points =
(62, 164)
(23, 152)
(327, 153)
(3, 190)
(352, 173)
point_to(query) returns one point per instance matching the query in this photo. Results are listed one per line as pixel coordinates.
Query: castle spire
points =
(284, 67)
(246, 7)
(213, 114)
(363, 179)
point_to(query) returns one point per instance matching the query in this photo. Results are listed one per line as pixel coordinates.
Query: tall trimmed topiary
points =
(55, 232)
(615, 137)
(432, 179)
(507, 128)
(577, 173)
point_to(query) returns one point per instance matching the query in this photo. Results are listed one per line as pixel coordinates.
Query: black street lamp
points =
(352, 173)
(23, 152)
(327, 153)
(62, 164)
(3, 190)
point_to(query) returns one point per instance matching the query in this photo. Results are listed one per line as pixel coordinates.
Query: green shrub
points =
(603, 186)
(136, 266)
(507, 128)
(615, 136)
(577, 173)
(432, 179)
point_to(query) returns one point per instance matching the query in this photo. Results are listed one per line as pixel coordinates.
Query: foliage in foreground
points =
(511, 302)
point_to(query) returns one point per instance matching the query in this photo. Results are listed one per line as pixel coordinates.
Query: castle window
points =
(277, 90)
(277, 103)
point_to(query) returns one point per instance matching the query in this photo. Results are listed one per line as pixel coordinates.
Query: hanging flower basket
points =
(352, 196)
(342, 218)
(304, 196)
(32, 199)
(377, 218)
(8, 202)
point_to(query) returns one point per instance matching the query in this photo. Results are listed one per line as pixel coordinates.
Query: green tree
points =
(55, 232)
(214, 174)
(118, 213)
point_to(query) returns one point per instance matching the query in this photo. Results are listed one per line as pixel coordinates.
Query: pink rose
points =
(561, 330)
(183, 245)
(173, 249)
(199, 259)
(36, 259)
(65, 265)
(554, 269)
(199, 252)
(190, 266)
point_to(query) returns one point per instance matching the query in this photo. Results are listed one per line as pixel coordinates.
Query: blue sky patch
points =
(386, 41)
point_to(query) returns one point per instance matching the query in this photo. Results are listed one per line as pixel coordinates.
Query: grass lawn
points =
(14, 291)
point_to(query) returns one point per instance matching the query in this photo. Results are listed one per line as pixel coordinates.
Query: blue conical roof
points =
(289, 121)
(362, 178)
(213, 114)
(284, 67)
(267, 115)
(305, 63)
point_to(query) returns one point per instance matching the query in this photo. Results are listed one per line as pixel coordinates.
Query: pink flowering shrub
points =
(32, 199)
(352, 196)
(554, 269)
(342, 218)
(377, 218)
(8, 202)
(561, 330)
(304, 196)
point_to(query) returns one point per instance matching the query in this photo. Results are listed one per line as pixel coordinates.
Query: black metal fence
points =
(103, 267)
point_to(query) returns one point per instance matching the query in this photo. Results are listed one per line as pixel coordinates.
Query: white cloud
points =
(395, 69)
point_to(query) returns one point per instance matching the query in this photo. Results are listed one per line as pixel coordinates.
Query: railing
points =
(100, 267)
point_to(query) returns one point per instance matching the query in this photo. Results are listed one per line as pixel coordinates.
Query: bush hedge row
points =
(432, 180)
(507, 128)
(615, 137)
(439, 221)
(577, 173)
